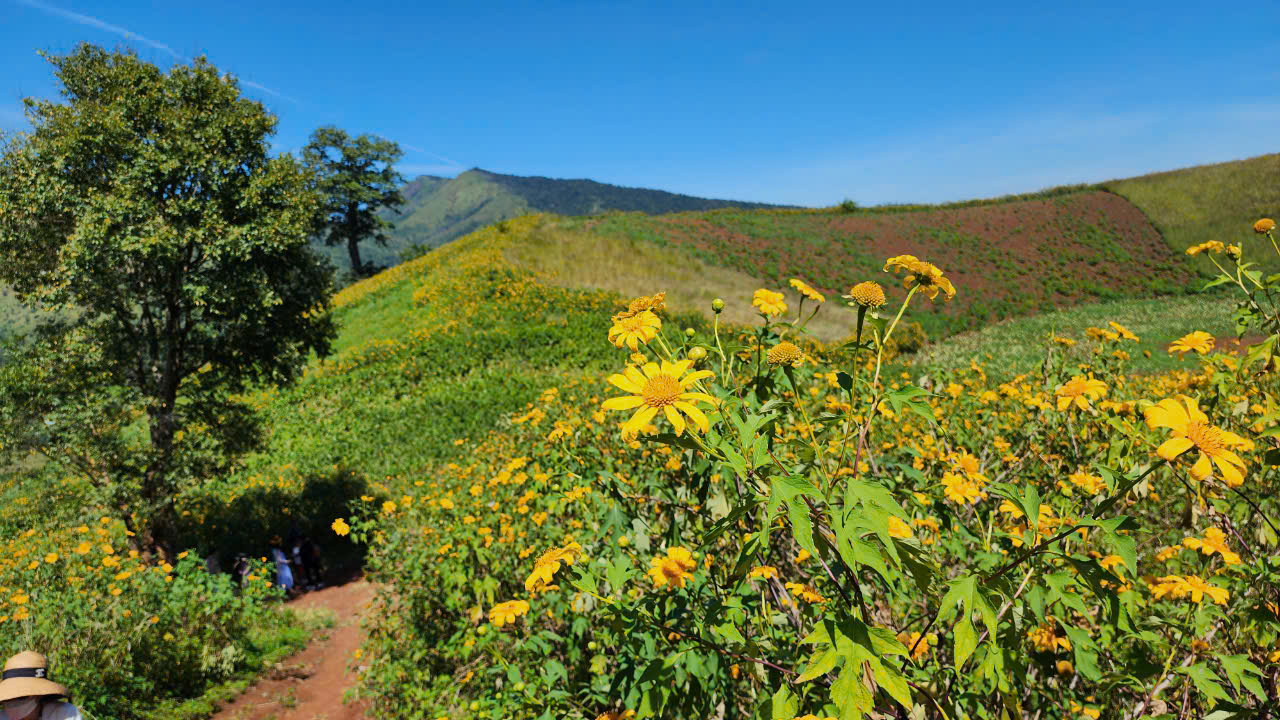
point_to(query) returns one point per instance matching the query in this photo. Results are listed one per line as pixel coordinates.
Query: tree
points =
(146, 210)
(356, 178)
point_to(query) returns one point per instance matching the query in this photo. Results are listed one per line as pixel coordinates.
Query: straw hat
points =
(27, 674)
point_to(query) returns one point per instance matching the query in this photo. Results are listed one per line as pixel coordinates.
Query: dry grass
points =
(568, 257)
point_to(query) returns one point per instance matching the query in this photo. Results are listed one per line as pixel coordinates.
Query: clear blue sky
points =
(780, 101)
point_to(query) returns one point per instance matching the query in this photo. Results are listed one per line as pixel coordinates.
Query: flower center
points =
(661, 391)
(1206, 437)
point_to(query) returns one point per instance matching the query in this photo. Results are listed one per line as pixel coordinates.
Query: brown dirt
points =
(311, 684)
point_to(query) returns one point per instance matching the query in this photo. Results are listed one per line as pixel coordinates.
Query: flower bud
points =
(697, 353)
(690, 332)
(717, 305)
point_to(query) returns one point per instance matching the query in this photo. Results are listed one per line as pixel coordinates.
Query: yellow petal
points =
(695, 376)
(626, 402)
(1202, 468)
(696, 415)
(673, 416)
(652, 370)
(1173, 447)
(699, 397)
(635, 376)
(1193, 411)
(1231, 474)
(626, 383)
(678, 367)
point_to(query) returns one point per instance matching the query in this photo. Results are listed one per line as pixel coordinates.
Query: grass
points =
(1208, 202)
(561, 254)
(1018, 346)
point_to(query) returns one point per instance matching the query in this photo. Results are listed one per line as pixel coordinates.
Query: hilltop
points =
(438, 210)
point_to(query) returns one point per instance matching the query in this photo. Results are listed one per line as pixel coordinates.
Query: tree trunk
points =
(353, 248)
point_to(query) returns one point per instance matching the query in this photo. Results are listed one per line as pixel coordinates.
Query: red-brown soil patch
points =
(311, 684)
(1005, 259)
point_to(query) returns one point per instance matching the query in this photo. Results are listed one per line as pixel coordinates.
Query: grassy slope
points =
(1012, 258)
(1208, 202)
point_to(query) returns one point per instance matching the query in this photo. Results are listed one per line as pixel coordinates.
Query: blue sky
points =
(778, 101)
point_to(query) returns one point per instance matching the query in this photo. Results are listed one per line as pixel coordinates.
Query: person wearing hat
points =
(27, 693)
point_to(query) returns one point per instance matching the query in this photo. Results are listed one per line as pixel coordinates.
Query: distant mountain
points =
(437, 209)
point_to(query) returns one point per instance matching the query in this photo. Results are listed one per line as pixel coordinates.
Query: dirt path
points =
(310, 685)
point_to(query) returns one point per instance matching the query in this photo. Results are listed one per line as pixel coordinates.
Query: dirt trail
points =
(310, 685)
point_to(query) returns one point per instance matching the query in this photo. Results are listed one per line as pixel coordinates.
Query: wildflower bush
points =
(125, 634)
(743, 523)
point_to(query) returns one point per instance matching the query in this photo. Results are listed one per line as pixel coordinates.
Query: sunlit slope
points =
(1208, 202)
(1011, 258)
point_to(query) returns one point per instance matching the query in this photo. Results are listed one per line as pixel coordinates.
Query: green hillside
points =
(1207, 202)
(437, 210)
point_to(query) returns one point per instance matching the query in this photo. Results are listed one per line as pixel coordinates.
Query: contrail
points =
(103, 25)
(95, 22)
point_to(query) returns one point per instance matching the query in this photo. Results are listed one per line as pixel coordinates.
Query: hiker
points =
(306, 560)
(27, 693)
(284, 576)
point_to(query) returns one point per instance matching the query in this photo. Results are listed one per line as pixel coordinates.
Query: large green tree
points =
(356, 178)
(145, 208)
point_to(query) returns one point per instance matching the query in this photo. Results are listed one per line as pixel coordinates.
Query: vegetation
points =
(1208, 202)
(355, 185)
(837, 540)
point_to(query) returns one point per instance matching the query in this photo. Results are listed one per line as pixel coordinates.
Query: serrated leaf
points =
(894, 683)
(820, 664)
(966, 640)
(801, 525)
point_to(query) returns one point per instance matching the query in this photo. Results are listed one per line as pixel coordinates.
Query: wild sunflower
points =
(1078, 391)
(768, 302)
(807, 291)
(1198, 341)
(662, 387)
(785, 353)
(1191, 429)
(918, 272)
(506, 612)
(1263, 226)
(673, 570)
(1215, 246)
(867, 294)
(631, 330)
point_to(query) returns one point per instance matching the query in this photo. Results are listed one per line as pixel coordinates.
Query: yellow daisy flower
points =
(768, 302)
(918, 272)
(1198, 341)
(1191, 429)
(662, 387)
(634, 329)
(807, 291)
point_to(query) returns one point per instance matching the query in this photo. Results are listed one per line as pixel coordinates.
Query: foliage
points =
(842, 539)
(147, 203)
(355, 186)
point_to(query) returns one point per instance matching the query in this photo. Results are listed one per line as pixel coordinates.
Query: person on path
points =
(284, 575)
(26, 693)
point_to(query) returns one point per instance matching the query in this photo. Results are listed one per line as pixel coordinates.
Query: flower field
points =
(586, 508)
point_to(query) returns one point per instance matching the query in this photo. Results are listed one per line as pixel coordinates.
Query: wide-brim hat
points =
(27, 673)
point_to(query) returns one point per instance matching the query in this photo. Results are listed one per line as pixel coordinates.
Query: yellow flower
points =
(1122, 331)
(961, 489)
(1214, 540)
(867, 294)
(611, 715)
(634, 329)
(1191, 429)
(660, 387)
(1177, 587)
(807, 291)
(51, 558)
(1198, 341)
(1064, 667)
(785, 353)
(921, 644)
(927, 275)
(769, 303)
(805, 592)
(388, 507)
(1078, 391)
(1091, 484)
(506, 613)
(1045, 638)
(673, 570)
(899, 529)
(548, 564)
(763, 571)
(340, 527)
(1265, 225)
(1210, 246)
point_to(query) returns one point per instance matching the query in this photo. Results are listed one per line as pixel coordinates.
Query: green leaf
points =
(1239, 671)
(820, 664)
(894, 683)
(1086, 653)
(801, 525)
(966, 640)
(848, 693)
(1209, 684)
(785, 704)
